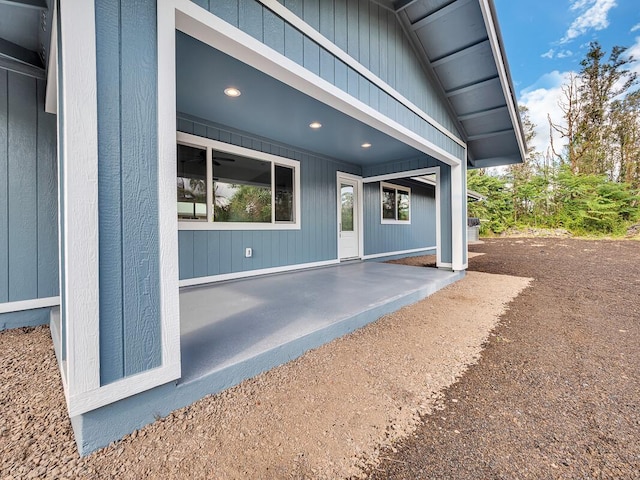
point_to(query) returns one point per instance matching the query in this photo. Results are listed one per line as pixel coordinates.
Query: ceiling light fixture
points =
(365, 145)
(315, 125)
(232, 92)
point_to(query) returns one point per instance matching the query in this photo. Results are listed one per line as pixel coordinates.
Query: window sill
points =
(395, 222)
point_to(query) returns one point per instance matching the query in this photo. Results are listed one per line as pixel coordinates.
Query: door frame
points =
(359, 211)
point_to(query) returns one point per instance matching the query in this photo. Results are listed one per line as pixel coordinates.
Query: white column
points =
(79, 189)
(458, 210)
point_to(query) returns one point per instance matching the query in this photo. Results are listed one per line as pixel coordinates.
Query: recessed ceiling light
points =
(232, 92)
(315, 125)
(365, 145)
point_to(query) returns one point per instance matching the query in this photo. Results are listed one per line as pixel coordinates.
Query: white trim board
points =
(407, 174)
(399, 252)
(167, 216)
(22, 305)
(215, 32)
(307, 30)
(223, 277)
(80, 177)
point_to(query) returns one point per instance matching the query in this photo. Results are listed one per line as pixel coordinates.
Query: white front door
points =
(348, 221)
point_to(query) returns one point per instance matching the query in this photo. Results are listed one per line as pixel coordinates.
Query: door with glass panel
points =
(348, 235)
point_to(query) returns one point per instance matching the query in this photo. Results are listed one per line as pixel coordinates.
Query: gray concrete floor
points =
(273, 319)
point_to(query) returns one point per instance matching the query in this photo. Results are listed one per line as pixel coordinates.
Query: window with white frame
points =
(395, 203)
(221, 186)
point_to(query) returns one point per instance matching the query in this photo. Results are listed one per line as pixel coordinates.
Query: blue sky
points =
(545, 41)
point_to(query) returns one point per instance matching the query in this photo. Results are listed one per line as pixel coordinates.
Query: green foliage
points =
(583, 204)
(248, 204)
(496, 211)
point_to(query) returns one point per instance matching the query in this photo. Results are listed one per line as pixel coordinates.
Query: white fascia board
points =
(215, 32)
(80, 192)
(497, 50)
(307, 30)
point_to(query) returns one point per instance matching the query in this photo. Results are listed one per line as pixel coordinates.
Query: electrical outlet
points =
(248, 252)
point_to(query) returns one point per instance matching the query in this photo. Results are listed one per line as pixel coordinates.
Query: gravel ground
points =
(324, 415)
(556, 393)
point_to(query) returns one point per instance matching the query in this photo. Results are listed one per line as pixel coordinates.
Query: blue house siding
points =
(206, 253)
(368, 33)
(417, 163)
(130, 337)
(420, 233)
(28, 191)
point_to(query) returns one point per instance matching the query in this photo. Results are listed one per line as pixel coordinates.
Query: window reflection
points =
(192, 187)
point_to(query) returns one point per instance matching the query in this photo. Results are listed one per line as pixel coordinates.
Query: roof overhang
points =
(461, 46)
(24, 36)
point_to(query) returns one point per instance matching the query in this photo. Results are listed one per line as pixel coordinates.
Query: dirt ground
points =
(556, 393)
(324, 415)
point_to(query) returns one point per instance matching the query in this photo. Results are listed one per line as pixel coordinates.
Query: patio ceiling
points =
(460, 46)
(271, 109)
(460, 43)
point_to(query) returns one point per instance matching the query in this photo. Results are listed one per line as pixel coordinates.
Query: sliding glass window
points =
(234, 187)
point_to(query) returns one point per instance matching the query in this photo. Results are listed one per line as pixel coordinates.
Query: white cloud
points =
(564, 54)
(635, 28)
(593, 15)
(542, 99)
(551, 53)
(548, 54)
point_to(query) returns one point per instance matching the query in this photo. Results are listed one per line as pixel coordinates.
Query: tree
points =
(589, 105)
(626, 138)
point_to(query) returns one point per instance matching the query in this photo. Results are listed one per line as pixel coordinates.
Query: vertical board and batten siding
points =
(371, 35)
(130, 337)
(28, 191)
(214, 252)
(420, 233)
(445, 192)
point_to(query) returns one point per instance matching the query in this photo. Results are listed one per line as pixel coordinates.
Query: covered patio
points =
(234, 330)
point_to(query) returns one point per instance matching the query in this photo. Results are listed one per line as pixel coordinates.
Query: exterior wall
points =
(126, 54)
(206, 253)
(371, 35)
(28, 193)
(420, 233)
(445, 193)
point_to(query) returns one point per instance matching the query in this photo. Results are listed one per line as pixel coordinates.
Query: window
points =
(396, 203)
(223, 186)
(192, 183)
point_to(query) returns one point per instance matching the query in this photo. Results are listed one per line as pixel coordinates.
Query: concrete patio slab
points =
(235, 330)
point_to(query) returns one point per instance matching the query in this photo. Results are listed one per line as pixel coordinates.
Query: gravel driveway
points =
(556, 393)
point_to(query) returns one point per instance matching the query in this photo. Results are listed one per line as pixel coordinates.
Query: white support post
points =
(458, 199)
(79, 187)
